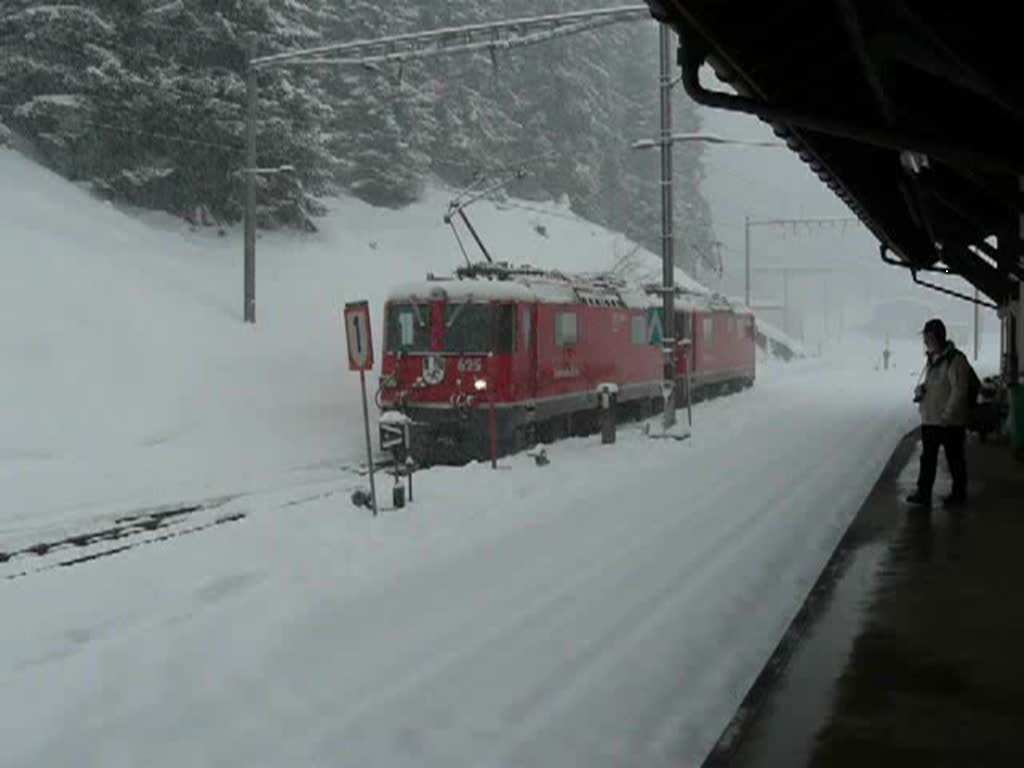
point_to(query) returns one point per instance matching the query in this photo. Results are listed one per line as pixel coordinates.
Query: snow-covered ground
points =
(608, 609)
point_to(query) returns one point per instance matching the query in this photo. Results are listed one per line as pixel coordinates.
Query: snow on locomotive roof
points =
(521, 289)
(463, 290)
(501, 282)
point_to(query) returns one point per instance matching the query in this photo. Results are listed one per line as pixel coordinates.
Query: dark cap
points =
(935, 327)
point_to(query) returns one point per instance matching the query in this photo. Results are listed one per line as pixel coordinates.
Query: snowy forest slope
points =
(143, 100)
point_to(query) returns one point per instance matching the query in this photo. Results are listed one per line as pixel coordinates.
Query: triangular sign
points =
(655, 330)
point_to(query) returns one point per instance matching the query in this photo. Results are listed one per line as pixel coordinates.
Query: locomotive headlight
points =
(480, 385)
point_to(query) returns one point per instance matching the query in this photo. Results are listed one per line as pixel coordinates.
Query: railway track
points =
(114, 534)
(125, 532)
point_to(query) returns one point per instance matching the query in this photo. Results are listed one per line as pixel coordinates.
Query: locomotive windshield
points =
(408, 328)
(469, 328)
(479, 328)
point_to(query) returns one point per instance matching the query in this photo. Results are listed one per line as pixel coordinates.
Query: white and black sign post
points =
(395, 436)
(360, 358)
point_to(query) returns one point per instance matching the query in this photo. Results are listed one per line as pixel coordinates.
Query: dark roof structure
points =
(912, 111)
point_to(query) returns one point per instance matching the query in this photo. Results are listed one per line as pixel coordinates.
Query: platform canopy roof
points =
(912, 111)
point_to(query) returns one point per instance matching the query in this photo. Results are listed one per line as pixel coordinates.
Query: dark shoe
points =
(954, 500)
(919, 500)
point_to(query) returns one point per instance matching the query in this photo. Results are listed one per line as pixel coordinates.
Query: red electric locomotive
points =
(522, 355)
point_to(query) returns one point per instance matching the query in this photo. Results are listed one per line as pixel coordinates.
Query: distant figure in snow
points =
(943, 402)
(886, 354)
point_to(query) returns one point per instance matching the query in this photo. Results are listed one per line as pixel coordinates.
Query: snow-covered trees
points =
(179, 96)
(145, 100)
(382, 115)
(46, 53)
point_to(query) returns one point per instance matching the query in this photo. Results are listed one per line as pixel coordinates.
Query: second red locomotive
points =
(521, 355)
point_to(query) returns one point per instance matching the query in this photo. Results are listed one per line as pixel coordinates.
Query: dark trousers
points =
(952, 440)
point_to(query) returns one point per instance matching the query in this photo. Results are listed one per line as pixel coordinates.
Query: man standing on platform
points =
(943, 402)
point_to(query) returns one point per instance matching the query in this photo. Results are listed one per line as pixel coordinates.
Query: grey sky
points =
(775, 183)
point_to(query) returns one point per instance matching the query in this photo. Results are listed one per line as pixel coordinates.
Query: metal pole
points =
(746, 257)
(249, 288)
(1017, 335)
(1018, 314)
(493, 417)
(689, 395)
(976, 310)
(369, 445)
(668, 342)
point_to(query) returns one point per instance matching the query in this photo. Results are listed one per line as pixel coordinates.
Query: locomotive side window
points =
(408, 328)
(709, 332)
(566, 330)
(638, 329)
(527, 326)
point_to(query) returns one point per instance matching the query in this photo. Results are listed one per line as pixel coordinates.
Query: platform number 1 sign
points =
(357, 332)
(360, 358)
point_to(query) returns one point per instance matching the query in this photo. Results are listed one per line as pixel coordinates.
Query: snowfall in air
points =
(610, 608)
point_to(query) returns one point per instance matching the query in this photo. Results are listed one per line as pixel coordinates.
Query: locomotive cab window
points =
(408, 328)
(566, 330)
(479, 328)
(709, 331)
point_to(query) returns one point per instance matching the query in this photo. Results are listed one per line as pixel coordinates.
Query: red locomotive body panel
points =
(723, 348)
(603, 351)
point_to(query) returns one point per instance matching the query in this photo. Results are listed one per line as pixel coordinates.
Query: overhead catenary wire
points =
(361, 50)
(692, 244)
(398, 57)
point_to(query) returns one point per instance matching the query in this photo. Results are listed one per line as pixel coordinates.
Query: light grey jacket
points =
(945, 389)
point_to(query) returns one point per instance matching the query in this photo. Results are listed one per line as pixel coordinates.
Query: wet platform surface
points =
(910, 650)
